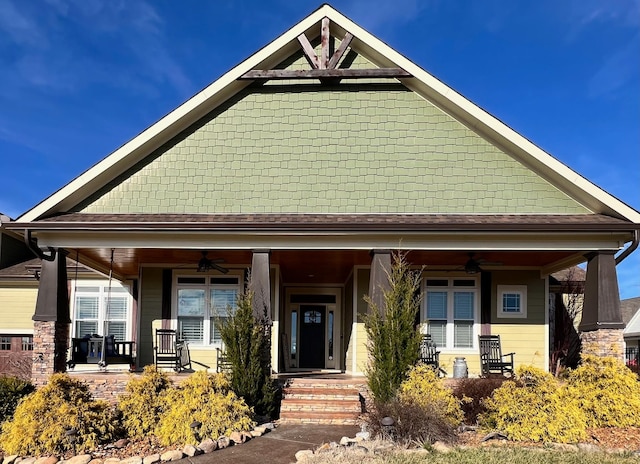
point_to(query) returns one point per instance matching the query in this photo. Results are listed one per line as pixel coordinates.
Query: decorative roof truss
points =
(325, 67)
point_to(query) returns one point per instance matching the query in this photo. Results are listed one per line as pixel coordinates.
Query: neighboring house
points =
(631, 315)
(306, 164)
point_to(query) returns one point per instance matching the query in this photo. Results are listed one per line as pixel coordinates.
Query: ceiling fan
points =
(472, 266)
(205, 264)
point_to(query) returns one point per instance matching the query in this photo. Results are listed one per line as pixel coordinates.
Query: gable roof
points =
(378, 53)
(630, 309)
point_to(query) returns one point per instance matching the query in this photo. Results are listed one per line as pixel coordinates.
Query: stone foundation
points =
(50, 342)
(603, 342)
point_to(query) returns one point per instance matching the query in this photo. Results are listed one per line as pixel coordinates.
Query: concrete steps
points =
(321, 401)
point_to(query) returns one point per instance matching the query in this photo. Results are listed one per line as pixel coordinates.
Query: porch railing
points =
(632, 358)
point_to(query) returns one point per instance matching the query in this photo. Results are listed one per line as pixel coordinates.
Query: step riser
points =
(317, 402)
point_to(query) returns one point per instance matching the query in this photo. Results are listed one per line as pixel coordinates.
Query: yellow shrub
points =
(423, 388)
(607, 391)
(535, 408)
(40, 421)
(205, 398)
(142, 404)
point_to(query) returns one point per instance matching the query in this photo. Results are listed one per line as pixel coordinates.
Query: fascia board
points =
(633, 327)
(378, 53)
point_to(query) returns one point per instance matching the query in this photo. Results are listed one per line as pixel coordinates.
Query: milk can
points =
(460, 370)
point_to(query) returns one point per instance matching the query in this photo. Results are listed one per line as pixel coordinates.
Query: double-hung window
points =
(450, 311)
(203, 301)
(103, 309)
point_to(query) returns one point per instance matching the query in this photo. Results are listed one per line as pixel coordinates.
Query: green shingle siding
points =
(342, 149)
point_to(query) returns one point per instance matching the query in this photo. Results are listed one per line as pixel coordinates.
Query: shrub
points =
(423, 388)
(41, 419)
(607, 391)
(206, 398)
(247, 342)
(12, 390)
(413, 423)
(393, 341)
(141, 405)
(472, 392)
(535, 408)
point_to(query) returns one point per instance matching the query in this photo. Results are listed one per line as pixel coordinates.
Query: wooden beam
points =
(309, 52)
(335, 59)
(325, 73)
(324, 43)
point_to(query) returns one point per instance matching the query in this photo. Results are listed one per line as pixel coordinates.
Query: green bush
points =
(535, 408)
(606, 391)
(12, 390)
(247, 343)
(393, 341)
(41, 419)
(423, 388)
(206, 398)
(142, 404)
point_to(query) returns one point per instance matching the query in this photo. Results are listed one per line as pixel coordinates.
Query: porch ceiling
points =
(307, 266)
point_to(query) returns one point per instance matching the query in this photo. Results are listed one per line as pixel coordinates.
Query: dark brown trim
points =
(340, 73)
(485, 303)
(167, 281)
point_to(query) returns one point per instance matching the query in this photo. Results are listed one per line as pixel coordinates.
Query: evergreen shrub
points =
(205, 398)
(393, 340)
(247, 343)
(607, 391)
(423, 388)
(142, 403)
(535, 407)
(41, 420)
(12, 390)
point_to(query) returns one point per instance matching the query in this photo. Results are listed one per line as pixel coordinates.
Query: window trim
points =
(103, 285)
(450, 289)
(501, 291)
(206, 342)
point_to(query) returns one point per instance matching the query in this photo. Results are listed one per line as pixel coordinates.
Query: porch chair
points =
(492, 361)
(222, 361)
(430, 355)
(171, 352)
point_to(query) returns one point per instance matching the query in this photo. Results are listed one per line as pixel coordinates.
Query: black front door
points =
(312, 330)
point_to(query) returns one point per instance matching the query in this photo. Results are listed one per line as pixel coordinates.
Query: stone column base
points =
(603, 342)
(50, 342)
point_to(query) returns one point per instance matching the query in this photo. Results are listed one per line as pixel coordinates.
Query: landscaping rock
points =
(588, 447)
(191, 451)
(132, 460)
(269, 426)
(303, 455)
(564, 446)
(10, 459)
(46, 460)
(256, 433)
(262, 429)
(28, 461)
(122, 443)
(208, 445)
(346, 441)
(494, 435)
(237, 437)
(172, 455)
(112, 461)
(323, 448)
(224, 442)
(151, 459)
(363, 435)
(80, 459)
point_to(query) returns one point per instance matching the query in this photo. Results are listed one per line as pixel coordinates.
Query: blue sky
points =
(78, 78)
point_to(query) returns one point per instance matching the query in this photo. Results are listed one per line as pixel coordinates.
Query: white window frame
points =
(209, 313)
(85, 288)
(450, 289)
(521, 291)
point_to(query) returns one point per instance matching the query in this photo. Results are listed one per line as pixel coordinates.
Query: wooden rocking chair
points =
(492, 361)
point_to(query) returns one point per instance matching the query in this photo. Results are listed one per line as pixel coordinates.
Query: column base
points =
(603, 342)
(50, 343)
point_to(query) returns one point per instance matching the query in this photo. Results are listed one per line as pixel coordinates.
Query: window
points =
(450, 311)
(512, 301)
(5, 343)
(201, 302)
(100, 308)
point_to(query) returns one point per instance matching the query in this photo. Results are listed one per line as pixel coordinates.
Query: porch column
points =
(379, 279)
(51, 319)
(601, 326)
(260, 285)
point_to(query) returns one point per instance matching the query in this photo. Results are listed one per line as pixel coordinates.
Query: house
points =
(630, 309)
(308, 163)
